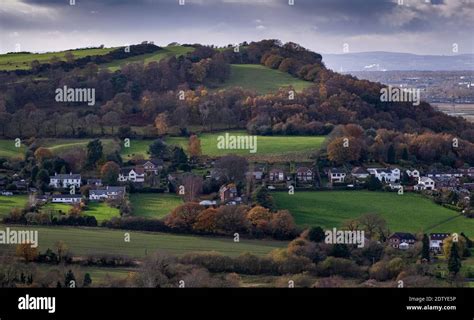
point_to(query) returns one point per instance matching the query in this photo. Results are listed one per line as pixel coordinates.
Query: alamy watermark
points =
(237, 142)
(9, 236)
(398, 94)
(66, 94)
(334, 236)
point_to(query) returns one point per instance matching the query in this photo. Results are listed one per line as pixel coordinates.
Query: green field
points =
(137, 148)
(7, 203)
(58, 146)
(149, 57)
(101, 211)
(9, 150)
(266, 145)
(262, 79)
(23, 60)
(408, 212)
(152, 205)
(82, 241)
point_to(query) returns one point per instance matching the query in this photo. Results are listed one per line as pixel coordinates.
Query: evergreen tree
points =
(391, 154)
(263, 198)
(69, 279)
(316, 234)
(425, 251)
(87, 280)
(94, 152)
(454, 261)
(373, 183)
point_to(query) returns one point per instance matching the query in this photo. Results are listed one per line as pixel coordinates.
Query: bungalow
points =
(228, 192)
(151, 166)
(276, 175)
(359, 173)
(424, 183)
(336, 175)
(304, 174)
(65, 180)
(402, 240)
(436, 241)
(413, 173)
(385, 174)
(136, 174)
(66, 198)
(107, 193)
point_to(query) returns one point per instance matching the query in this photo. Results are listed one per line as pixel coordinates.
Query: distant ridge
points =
(389, 61)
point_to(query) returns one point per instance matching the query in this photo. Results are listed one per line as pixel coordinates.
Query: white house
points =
(436, 241)
(151, 166)
(66, 198)
(424, 183)
(107, 193)
(65, 180)
(276, 175)
(385, 174)
(359, 173)
(132, 174)
(336, 175)
(413, 173)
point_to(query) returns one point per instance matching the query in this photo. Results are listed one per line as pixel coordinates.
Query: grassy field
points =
(152, 205)
(7, 203)
(83, 241)
(266, 145)
(137, 148)
(9, 150)
(23, 60)
(262, 79)
(149, 57)
(101, 211)
(58, 146)
(409, 212)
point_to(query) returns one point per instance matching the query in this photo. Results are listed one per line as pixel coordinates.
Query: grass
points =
(137, 148)
(57, 207)
(150, 205)
(101, 211)
(59, 146)
(22, 61)
(266, 145)
(409, 212)
(82, 241)
(9, 150)
(7, 203)
(262, 79)
(149, 57)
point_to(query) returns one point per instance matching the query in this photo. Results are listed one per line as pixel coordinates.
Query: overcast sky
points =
(325, 26)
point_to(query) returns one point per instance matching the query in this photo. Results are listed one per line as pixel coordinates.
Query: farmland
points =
(9, 150)
(22, 61)
(266, 145)
(82, 241)
(262, 79)
(152, 205)
(10, 202)
(408, 212)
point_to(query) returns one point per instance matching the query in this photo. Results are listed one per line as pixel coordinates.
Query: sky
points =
(439, 27)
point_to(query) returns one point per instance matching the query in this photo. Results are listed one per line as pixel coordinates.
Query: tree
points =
(192, 186)
(111, 119)
(425, 251)
(373, 183)
(94, 152)
(42, 179)
(316, 234)
(87, 280)
(374, 226)
(179, 158)
(43, 153)
(61, 249)
(27, 252)
(263, 198)
(206, 221)
(391, 155)
(259, 216)
(110, 172)
(341, 150)
(283, 225)
(184, 216)
(161, 124)
(194, 146)
(158, 149)
(69, 56)
(454, 261)
(70, 279)
(231, 168)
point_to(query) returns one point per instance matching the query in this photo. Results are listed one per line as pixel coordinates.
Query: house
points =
(257, 173)
(401, 240)
(415, 174)
(424, 183)
(94, 182)
(208, 203)
(445, 183)
(336, 175)
(276, 175)
(151, 166)
(66, 198)
(436, 241)
(304, 174)
(228, 192)
(385, 174)
(136, 175)
(447, 174)
(20, 184)
(65, 180)
(359, 173)
(107, 193)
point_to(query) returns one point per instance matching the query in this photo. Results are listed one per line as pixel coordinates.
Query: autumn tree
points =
(27, 252)
(206, 221)
(161, 123)
(110, 173)
(43, 153)
(192, 186)
(184, 216)
(194, 146)
(344, 149)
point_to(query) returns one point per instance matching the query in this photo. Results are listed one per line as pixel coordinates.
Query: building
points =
(402, 240)
(151, 166)
(359, 173)
(336, 175)
(415, 174)
(94, 182)
(436, 241)
(385, 174)
(135, 175)
(228, 192)
(256, 174)
(107, 193)
(65, 180)
(304, 174)
(276, 175)
(66, 198)
(424, 183)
